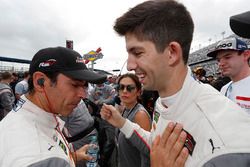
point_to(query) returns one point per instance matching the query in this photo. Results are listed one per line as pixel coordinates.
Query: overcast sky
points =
(29, 25)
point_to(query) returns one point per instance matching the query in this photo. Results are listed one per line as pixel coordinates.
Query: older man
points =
(32, 136)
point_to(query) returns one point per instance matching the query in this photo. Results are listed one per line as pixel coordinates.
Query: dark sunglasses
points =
(129, 88)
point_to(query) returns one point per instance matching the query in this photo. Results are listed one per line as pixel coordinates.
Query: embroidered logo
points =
(50, 146)
(212, 144)
(47, 63)
(80, 60)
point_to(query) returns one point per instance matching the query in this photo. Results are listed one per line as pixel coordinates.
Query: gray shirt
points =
(128, 154)
(7, 100)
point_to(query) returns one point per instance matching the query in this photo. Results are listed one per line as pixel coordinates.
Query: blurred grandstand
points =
(20, 65)
(199, 58)
(13, 64)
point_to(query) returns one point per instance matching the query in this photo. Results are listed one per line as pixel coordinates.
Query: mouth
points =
(224, 69)
(141, 77)
(74, 104)
(124, 97)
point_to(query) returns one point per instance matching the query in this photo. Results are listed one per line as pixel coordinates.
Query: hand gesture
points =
(110, 114)
(168, 150)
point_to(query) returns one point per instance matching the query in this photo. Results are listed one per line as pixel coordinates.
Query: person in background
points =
(200, 74)
(233, 55)
(129, 90)
(240, 24)
(148, 99)
(13, 83)
(158, 37)
(7, 98)
(56, 85)
(22, 86)
(102, 93)
(220, 81)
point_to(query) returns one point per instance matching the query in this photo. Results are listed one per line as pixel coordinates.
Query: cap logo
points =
(47, 63)
(80, 60)
(225, 45)
(241, 46)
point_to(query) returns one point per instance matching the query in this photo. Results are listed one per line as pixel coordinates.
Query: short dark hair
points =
(6, 75)
(26, 74)
(51, 75)
(133, 77)
(160, 22)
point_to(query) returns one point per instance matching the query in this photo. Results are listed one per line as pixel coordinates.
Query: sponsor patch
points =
(156, 116)
(189, 143)
(63, 146)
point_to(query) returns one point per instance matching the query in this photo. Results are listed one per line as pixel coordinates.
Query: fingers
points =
(174, 136)
(168, 150)
(181, 159)
(178, 146)
(154, 152)
(167, 132)
(105, 112)
(81, 153)
(155, 142)
(86, 147)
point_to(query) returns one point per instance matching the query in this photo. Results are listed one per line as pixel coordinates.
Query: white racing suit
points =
(216, 126)
(28, 137)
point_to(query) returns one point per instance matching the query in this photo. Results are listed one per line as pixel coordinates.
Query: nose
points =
(131, 63)
(221, 62)
(85, 92)
(81, 92)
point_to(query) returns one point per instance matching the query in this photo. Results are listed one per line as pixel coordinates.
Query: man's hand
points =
(168, 150)
(81, 153)
(110, 114)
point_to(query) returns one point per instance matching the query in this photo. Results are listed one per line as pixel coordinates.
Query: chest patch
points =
(189, 143)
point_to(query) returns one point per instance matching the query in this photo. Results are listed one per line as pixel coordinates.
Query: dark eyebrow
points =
(132, 49)
(78, 82)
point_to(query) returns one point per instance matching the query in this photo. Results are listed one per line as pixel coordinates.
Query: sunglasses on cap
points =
(129, 88)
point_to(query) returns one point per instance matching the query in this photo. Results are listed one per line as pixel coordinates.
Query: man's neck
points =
(243, 74)
(175, 83)
(39, 100)
(5, 82)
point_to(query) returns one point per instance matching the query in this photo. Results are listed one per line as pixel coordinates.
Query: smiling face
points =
(65, 95)
(149, 65)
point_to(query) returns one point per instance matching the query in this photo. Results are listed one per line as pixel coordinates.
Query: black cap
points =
(65, 61)
(240, 24)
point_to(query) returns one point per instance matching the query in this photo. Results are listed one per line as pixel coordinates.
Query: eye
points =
(74, 85)
(227, 57)
(137, 53)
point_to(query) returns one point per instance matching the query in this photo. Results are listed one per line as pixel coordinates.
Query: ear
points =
(139, 93)
(36, 77)
(174, 52)
(246, 54)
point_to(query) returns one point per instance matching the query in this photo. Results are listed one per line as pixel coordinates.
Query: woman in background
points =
(129, 91)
